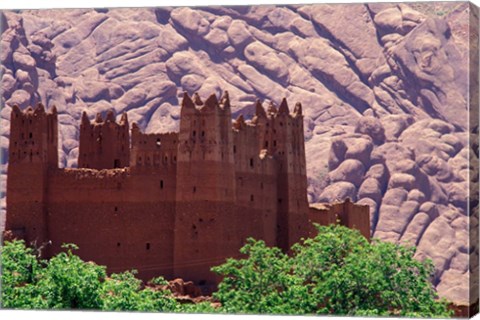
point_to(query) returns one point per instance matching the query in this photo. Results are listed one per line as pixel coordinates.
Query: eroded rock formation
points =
(383, 89)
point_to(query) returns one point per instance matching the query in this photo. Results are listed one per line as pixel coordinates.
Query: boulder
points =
(350, 170)
(190, 21)
(389, 19)
(360, 149)
(338, 191)
(401, 180)
(238, 34)
(372, 127)
(337, 153)
(371, 188)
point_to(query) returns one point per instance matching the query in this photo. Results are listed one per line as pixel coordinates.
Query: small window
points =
(279, 200)
(116, 209)
(194, 133)
(30, 135)
(281, 124)
(161, 184)
(234, 149)
(274, 143)
(118, 244)
(251, 162)
(251, 197)
(266, 144)
(194, 189)
(147, 246)
(116, 163)
(203, 133)
(159, 143)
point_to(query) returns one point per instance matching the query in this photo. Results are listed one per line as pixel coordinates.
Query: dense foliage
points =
(67, 282)
(337, 272)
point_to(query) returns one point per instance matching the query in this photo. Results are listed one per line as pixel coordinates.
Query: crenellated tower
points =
(33, 153)
(205, 187)
(281, 135)
(104, 144)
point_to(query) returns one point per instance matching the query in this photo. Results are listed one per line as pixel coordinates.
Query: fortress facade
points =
(172, 204)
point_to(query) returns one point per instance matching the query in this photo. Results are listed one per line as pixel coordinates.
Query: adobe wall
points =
(153, 151)
(116, 218)
(32, 151)
(205, 228)
(104, 144)
(345, 213)
(256, 185)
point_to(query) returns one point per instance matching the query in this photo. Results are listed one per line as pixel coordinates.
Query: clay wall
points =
(104, 144)
(281, 134)
(115, 218)
(205, 228)
(345, 213)
(256, 185)
(32, 153)
(153, 151)
(33, 136)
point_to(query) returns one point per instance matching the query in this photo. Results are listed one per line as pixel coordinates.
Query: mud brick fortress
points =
(171, 204)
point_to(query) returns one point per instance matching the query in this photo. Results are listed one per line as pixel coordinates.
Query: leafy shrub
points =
(337, 272)
(67, 282)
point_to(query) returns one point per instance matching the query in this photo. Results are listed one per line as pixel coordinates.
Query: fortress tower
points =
(33, 155)
(281, 135)
(206, 195)
(104, 144)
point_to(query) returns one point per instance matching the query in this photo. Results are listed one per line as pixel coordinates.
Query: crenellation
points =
(171, 204)
(104, 143)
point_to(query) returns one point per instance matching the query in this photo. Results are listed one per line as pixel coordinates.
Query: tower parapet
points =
(32, 154)
(280, 134)
(104, 144)
(33, 136)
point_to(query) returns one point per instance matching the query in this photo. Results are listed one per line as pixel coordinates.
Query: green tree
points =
(337, 272)
(123, 292)
(20, 271)
(67, 282)
(261, 283)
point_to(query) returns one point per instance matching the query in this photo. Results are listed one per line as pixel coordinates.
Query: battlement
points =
(154, 149)
(33, 136)
(104, 143)
(196, 105)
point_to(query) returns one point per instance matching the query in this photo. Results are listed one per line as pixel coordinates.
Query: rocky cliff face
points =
(384, 90)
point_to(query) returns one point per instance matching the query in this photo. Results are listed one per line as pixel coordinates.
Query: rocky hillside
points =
(384, 89)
